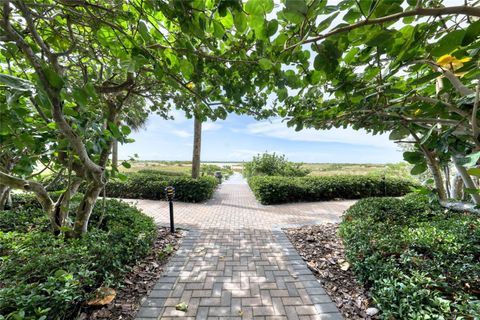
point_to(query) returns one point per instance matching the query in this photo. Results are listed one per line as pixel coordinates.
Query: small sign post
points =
(170, 192)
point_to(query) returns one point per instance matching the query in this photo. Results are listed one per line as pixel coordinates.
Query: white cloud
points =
(211, 126)
(182, 133)
(277, 129)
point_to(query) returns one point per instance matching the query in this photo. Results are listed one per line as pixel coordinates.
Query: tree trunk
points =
(457, 190)
(434, 167)
(4, 195)
(197, 144)
(85, 209)
(467, 180)
(115, 154)
(62, 206)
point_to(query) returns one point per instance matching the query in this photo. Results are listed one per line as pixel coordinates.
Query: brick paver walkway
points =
(236, 263)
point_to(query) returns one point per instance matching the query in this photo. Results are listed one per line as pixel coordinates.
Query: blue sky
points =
(239, 138)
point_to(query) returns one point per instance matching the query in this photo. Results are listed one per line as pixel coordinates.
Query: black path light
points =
(170, 193)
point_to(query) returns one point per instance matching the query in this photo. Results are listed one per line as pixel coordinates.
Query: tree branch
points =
(418, 11)
(30, 186)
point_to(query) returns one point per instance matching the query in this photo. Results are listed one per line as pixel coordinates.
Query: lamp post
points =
(170, 193)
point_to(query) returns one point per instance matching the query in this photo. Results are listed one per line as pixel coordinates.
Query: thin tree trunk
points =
(197, 145)
(115, 154)
(457, 192)
(434, 167)
(4, 195)
(62, 206)
(467, 180)
(85, 209)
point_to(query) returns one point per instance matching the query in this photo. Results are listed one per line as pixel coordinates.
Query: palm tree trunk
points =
(197, 145)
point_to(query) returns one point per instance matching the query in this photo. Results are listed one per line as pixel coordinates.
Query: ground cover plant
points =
(274, 189)
(45, 276)
(418, 260)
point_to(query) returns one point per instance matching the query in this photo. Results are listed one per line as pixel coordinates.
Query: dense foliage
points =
(267, 164)
(44, 275)
(271, 190)
(419, 261)
(152, 185)
(405, 67)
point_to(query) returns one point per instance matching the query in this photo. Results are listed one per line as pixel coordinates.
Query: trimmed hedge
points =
(271, 190)
(46, 277)
(152, 186)
(418, 260)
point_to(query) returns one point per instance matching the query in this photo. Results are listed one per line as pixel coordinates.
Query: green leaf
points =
(187, 68)
(218, 30)
(143, 29)
(399, 134)
(16, 83)
(182, 307)
(327, 57)
(282, 94)
(126, 164)
(122, 176)
(265, 64)
(293, 17)
(272, 27)
(474, 172)
(240, 21)
(471, 190)
(126, 130)
(327, 22)
(471, 33)
(80, 95)
(413, 157)
(448, 43)
(419, 168)
(259, 7)
(54, 78)
(296, 6)
(426, 78)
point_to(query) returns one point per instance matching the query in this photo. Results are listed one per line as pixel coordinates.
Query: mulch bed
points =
(139, 281)
(323, 250)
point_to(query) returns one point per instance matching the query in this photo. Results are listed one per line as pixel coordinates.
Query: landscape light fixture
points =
(170, 193)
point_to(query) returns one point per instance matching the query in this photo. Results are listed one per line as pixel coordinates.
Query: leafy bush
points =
(163, 173)
(210, 169)
(46, 276)
(270, 190)
(273, 165)
(152, 186)
(419, 261)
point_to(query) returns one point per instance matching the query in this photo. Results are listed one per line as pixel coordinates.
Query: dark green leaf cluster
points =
(152, 186)
(267, 164)
(271, 190)
(47, 276)
(418, 260)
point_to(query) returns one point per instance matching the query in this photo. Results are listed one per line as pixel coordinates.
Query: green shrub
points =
(419, 261)
(163, 173)
(152, 186)
(45, 275)
(273, 165)
(271, 190)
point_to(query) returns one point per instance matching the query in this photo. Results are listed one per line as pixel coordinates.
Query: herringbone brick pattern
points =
(235, 262)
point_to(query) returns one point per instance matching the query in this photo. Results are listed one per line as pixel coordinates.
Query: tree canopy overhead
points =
(79, 68)
(405, 67)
